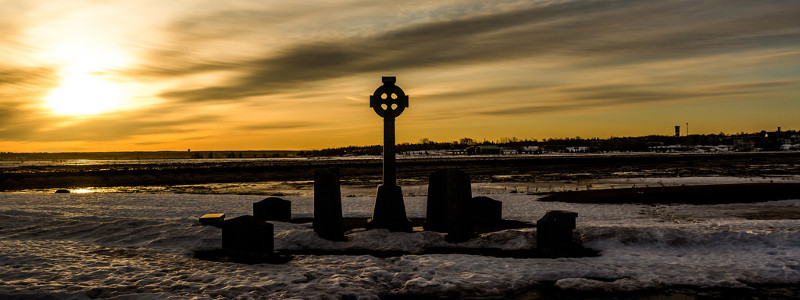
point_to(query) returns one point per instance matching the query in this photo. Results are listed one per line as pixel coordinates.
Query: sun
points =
(88, 84)
(83, 93)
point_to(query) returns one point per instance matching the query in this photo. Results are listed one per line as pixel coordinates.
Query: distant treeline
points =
(742, 142)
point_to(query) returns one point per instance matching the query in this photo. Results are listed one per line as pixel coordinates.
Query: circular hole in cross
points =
(384, 96)
(384, 106)
(394, 106)
(393, 95)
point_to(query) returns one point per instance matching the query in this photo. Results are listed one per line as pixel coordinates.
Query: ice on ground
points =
(125, 245)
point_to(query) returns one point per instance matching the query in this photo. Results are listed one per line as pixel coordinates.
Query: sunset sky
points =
(146, 75)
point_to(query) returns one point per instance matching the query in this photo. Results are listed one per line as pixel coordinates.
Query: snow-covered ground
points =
(140, 245)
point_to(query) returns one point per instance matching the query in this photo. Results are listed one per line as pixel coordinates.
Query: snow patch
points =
(132, 245)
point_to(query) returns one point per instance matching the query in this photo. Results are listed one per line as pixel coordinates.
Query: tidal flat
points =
(494, 174)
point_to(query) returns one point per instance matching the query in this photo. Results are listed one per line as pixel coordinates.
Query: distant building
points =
(580, 149)
(484, 149)
(508, 151)
(677, 131)
(530, 150)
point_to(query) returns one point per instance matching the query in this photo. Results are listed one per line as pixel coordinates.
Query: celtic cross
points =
(389, 211)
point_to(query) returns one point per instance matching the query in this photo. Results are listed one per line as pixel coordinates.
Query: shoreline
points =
(367, 171)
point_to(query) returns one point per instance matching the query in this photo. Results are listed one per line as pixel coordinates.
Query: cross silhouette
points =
(389, 101)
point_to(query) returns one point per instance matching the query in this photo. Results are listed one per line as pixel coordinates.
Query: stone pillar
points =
(273, 209)
(486, 210)
(248, 234)
(328, 205)
(436, 206)
(554, 229)
(449, 207)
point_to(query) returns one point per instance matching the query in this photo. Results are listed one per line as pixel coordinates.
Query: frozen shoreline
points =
(534, 171)
(121, 245)
(411, 188)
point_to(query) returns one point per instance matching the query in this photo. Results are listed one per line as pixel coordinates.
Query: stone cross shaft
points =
(388, 101)
(389, 212)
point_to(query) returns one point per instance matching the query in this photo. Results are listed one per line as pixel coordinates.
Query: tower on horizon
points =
(677, 130)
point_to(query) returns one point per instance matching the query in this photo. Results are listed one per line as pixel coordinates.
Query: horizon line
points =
(373, 145)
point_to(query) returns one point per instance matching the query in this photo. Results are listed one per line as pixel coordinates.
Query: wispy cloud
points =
(598, 32)
(20, 89)
(25, 78)
(103, 129)
(609, 96)
(278, 126)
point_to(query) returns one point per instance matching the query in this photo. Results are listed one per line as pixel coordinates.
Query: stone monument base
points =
(390, 210)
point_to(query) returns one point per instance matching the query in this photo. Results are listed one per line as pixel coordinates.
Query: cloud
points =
(530, 110)
(11, 26)
(22, 118)
(471, 92)
(758, 86)
(279, 126)
(25, 77)
(583, 33)
(619, 95)
(99, 129)
(19, 87)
